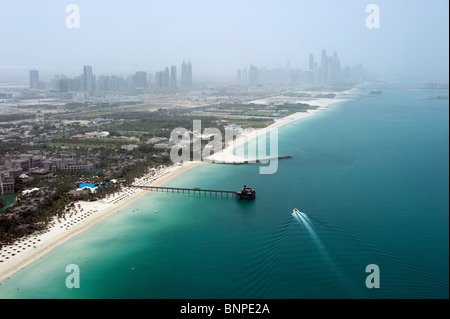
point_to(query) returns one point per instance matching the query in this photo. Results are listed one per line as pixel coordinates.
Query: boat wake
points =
(303, 219)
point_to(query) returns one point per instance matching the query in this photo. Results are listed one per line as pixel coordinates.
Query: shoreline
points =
(27, 250)
(227, 156)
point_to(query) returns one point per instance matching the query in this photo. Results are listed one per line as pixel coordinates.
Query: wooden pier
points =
(254, 161)
(244, 193)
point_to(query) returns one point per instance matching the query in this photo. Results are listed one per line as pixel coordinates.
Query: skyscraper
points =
(162, 79)
(186, 74)
(158, 79)
(139, 80)
(88, 85)
(150, 79)
(183, 73)
(166, 78)
(189, 73)
(34, 79)
(63, 85)
(311, 62)
(244, 75)
(253, 74)
(330, 68)
(114, 85)
(324, 67)
(173, 76)
(335, 68)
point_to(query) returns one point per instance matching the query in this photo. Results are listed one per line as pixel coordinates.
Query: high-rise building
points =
(330, 69)
(162, 79)
(88, 83)
(244, 75)
(186, 74)
(335, 68)
(239, 75)
(166, 78)
(150, 78)
(253, 74)
(189, 73)
(311, 62)
(34, 79)
(324, 67)
(114, 84)
(158, 80)
(63, 85)
(173, 76)
(139, 80)
(183, 74)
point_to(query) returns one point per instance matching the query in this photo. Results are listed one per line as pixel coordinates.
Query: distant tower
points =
(87, 77)
(150, 79)
(253, 74)
(183, 73)
(324, 67)
(311, 62)
(239, 75)
(34, 79)
(186, 74)
(335, 68)
(189, 73)
(158, 79)
(173, 76)
(244, 75)
(139, 80)
(166, 78)
(63, 85)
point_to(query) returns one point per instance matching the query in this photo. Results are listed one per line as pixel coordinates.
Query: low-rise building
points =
(97, 134)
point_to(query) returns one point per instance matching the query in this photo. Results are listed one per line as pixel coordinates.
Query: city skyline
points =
(222, 36)
(328, 72)
(47, 74)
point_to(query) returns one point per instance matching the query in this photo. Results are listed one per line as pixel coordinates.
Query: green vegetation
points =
(89, 143)
(16, 117)
(53, 135)
(255, 123)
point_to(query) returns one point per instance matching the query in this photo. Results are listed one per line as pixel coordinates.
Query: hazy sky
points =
(124, 36)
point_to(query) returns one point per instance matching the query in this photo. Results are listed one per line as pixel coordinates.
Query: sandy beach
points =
(25, 251)
(227, 154)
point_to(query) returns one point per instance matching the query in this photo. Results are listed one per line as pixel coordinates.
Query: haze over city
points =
(219, 37)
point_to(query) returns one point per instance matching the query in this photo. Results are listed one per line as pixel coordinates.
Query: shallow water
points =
(370, 175)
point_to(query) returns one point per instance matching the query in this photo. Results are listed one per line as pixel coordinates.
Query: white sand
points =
(85, 214)
(227, 156)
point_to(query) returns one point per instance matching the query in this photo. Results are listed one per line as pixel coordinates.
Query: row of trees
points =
(27, 221)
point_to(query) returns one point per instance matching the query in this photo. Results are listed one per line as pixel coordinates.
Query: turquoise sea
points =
(371, 176)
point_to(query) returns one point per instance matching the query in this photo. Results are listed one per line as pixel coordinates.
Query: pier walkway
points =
(244, 193)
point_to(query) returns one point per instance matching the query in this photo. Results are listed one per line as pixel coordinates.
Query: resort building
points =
(44, 166)
(6, 184)
(97, 134)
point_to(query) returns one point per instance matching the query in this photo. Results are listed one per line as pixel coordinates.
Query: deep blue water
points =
(370, 176)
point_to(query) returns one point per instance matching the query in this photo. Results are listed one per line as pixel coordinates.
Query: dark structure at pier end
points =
(246, 193)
